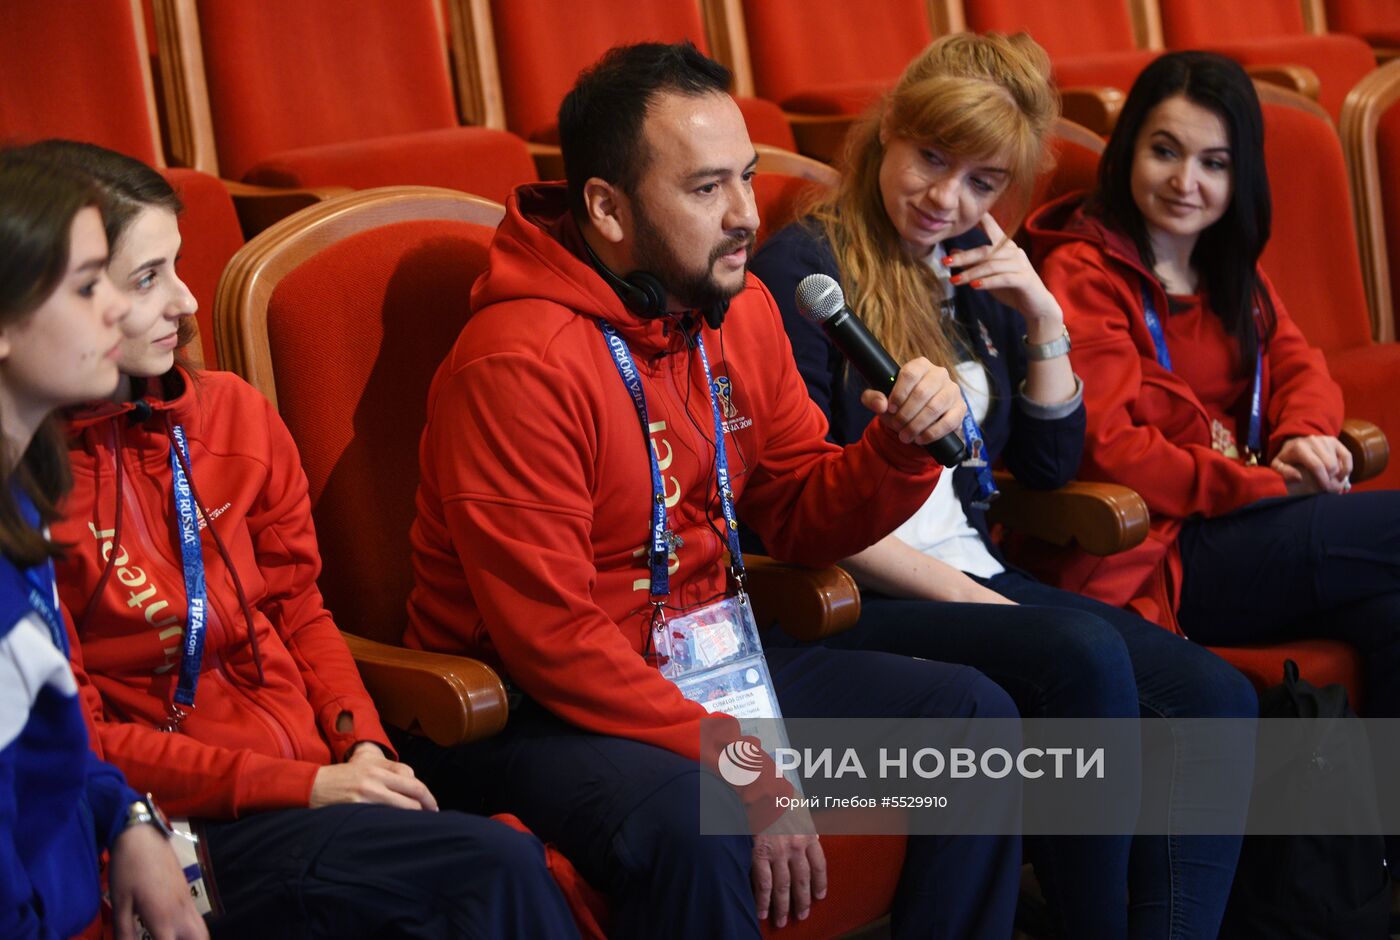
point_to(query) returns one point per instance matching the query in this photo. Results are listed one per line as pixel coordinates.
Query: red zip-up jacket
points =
(276, 674)
(1151, 429)
(535, 488)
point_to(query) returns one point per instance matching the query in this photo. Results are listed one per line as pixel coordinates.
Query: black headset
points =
(642, 293)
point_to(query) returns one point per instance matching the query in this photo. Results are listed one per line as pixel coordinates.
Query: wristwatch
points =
(1056, 347)
(146, 811)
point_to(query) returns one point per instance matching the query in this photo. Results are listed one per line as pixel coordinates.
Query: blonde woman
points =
(910, 236)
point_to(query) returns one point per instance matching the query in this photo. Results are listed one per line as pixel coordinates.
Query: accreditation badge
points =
(715, 658)
(189, 852)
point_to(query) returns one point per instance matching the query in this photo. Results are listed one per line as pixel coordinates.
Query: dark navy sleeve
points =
(1041, 452)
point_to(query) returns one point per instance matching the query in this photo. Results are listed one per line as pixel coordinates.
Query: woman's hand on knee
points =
(370, 777)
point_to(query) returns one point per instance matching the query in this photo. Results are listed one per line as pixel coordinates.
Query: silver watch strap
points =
(1059, 346)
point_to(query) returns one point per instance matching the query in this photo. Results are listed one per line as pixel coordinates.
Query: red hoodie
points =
(1150, 428)
(251, 743)
(534, 493)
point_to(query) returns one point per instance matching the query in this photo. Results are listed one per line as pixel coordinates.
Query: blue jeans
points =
(1062, 655)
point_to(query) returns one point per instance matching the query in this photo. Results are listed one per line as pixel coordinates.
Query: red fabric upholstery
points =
(766, 123)
(765, 120)
(1191, 23)
(1314, 262)
(542, 45)
(1321, 662)
(1376, 21)
(69, 68)
(284, 76)
(799, 46)
(1063, 28)
(864, 871)
(1113, 69)
(477, 160)
(1339, 61)
(1076, 169)
(780, 200)
(384, 306)
(838, 98)
(1313, 257)
(1269, 32)
(211, 234)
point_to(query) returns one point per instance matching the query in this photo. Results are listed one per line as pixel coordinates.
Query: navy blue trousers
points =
(1062, 655)
(1315, 566)
(627, 814)
(372, 872)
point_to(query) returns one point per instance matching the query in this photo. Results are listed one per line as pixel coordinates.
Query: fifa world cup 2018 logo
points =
(724, 392)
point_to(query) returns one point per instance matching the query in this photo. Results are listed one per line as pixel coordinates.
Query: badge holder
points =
(714, 656)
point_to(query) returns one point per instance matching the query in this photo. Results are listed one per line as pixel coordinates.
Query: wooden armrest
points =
(1370, 451)
(260, 206)
(448, 699)
(549, 160)
(1297, 78)
(1094, 106)
(1101, 518)
(812, 603)
(821, 136)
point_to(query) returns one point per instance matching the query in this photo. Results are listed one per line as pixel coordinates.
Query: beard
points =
(693, 289)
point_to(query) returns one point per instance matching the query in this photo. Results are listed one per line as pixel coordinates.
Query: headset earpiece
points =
(642, 292)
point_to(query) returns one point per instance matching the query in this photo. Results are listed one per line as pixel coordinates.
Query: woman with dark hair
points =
(910, 236)
(1206, 398)
(59, 805)
(214, 675)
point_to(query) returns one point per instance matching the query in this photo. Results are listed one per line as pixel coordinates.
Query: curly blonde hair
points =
(971, 97)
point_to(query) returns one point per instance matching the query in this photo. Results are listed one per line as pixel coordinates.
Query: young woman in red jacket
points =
(212, 673)
(1203, 395)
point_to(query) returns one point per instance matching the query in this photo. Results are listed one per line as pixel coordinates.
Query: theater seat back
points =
(343, 313)
(286, 76)
(77, 69)
(796, 46)
(1063, 28)
(1312, 257)
(1190, 23)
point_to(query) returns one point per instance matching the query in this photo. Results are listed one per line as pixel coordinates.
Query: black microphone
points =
(820, 299)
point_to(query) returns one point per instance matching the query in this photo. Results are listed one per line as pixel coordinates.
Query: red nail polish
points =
(947, 261)
(956, 278)
(977, 283)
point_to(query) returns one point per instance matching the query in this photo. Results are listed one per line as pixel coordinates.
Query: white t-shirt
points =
(939, 527)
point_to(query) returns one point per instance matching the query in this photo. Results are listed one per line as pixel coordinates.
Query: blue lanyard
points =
(977, 459)
(192, 558)
(662, 538)
(39, 579)
(1254, 443)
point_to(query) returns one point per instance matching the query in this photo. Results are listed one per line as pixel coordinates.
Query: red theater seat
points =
(831, 56)
(324, 93)
(1314, 262)
(79, 69)
(540, 46)
(1376, 21)
(1269, 32)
